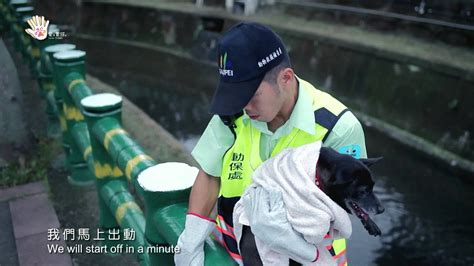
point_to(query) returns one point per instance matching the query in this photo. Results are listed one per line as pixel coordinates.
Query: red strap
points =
(202, 217)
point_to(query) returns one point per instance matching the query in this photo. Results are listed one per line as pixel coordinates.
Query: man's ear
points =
(286, 76)
(370, 161)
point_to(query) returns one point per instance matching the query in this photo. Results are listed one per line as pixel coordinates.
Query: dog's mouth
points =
(364, 217)
(358, 211)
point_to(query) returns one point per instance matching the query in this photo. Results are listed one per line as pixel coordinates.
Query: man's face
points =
(265, 103)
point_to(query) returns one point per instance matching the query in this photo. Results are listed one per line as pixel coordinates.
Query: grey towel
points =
(310, 212)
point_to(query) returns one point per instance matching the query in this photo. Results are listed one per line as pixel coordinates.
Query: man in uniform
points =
(261, 107)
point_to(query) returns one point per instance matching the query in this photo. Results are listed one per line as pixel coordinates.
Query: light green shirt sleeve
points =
(211, 147)
(347, 137)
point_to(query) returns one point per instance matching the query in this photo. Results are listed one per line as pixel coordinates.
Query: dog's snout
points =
(380, 209)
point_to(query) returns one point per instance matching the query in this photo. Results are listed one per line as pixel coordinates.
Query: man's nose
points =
(248, 108)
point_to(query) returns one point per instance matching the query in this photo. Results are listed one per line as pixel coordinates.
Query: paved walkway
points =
(13, 127)
(26, 214)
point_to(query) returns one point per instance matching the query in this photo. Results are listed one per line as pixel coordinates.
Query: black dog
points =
(347, 181)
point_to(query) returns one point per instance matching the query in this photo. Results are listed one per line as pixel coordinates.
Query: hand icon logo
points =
(39, 27)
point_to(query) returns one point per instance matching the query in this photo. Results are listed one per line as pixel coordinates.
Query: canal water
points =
(429, 212)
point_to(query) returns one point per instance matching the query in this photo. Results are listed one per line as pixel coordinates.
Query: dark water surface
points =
(429, 213)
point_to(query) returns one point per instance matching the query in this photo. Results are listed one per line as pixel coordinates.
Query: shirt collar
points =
(302, 116)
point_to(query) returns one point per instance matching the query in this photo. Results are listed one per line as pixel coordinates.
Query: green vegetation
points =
(32, 166)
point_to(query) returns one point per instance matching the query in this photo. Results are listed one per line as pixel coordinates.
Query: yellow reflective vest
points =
(243, 157)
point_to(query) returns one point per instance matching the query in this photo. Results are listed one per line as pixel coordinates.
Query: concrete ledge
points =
(21, 191)
(7, 241)
(33, 250)
(25, 217)
(450, 159)
(32, 215)
(438, 57)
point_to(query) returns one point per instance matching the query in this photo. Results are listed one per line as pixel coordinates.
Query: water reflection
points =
(428, 218)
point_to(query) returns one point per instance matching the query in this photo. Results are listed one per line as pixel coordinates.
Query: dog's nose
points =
(380, 209)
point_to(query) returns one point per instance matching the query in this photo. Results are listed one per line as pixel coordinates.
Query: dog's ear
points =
(370, 161)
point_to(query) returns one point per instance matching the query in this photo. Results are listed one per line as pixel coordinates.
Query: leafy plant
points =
(32, 166)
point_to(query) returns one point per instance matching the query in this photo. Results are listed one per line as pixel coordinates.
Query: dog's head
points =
(348, 182)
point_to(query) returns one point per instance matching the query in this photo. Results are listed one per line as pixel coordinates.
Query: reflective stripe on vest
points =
(225, 235)
(241, 160)
(337, 248)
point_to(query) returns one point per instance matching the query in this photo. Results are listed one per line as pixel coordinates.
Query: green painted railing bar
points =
(127, 213)
(170, 223)
(97, 148)
(77, 88)
(123, 151)
(80, 135)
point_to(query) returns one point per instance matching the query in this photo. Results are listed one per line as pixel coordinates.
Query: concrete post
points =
(103, 109)
(166, 189)
(117, 206)
(65, 63)
(47, 84)
(11, 18)
(23, 39)
(3, 16)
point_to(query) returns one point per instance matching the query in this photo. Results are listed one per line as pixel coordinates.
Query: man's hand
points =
(191, 241)
(268, 222)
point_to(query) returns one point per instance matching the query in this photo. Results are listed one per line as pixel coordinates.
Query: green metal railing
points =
(98, 149)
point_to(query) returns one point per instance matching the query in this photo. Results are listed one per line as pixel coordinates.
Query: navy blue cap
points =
(246, 52)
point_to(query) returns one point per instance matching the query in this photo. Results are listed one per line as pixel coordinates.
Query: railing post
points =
(156, 183)
(13, 21)
(32, 48)
(3, 15)
(44, 65)
(100, 109)
(24, 40)
(66, 62)
(115, 154)
(166, 189)
(48, 88)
